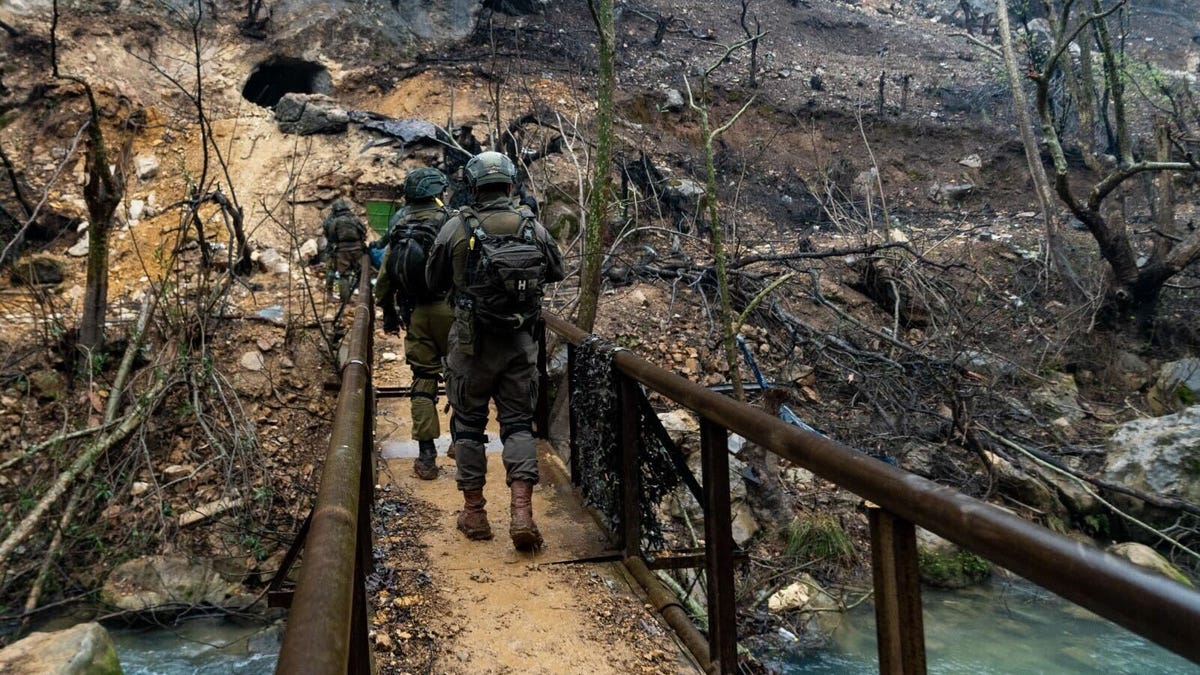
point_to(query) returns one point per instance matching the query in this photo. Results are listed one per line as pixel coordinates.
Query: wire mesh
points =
(596, 412)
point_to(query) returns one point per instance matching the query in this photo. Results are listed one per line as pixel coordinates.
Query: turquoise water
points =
(201, 647)
(1002, 627)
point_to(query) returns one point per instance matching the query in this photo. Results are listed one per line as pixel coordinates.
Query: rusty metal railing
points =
(326, 631)
(1145, 603)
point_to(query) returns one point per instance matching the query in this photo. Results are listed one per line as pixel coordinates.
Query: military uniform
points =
(345, 235)
(489, 365)
(427, 328)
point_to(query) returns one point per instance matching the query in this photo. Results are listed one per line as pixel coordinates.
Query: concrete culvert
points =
(280, 75)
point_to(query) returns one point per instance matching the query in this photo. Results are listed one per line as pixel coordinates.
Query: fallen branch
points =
(1083, 486)
(136, 418)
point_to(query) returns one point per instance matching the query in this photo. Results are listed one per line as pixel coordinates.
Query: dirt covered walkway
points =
(443, 604)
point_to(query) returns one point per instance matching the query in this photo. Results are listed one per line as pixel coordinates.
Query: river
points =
(1005, 626)
(201, 647)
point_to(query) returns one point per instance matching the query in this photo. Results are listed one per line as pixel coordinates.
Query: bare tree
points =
(598, 198)
(708, 135)
(1134, 288)
(102, 193)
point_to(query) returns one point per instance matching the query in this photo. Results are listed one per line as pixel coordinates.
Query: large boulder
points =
(85, 649)
(1144, 556)
(155, 581)
(1160, 455)
(305, 114)
(1176, 386)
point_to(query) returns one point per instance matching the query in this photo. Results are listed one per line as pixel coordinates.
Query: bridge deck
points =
(500, 610)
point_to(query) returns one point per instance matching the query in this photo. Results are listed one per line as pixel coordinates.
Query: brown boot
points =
(472, 520)
(522, 529)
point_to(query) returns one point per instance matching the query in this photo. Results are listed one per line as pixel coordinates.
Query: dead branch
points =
(147, 403)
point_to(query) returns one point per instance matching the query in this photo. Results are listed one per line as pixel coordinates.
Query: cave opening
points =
(280, 75)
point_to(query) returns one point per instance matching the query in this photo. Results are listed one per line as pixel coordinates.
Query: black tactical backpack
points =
(504, 274)
(410, 240)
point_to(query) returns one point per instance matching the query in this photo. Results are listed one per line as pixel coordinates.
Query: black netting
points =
(596, 412)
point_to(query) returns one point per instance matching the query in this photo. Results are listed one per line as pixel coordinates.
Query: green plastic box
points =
(379, 214)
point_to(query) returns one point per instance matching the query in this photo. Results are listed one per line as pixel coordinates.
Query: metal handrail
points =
(327, 624)
(1148, 604)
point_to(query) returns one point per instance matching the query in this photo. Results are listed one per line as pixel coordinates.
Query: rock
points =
(270, 260)
(685, 189)
(1129, 369)
(162, 580)
(253, 361)
(1060, 395)
(309, 250)
(1176, 386)
(80, 248)
(683, 428)
(1027, 488)
(1160, 455)
(806, 596)
(84, 649)
(265, 344)
(137, 208)
(388, 357)
(744, 524)
(47, 385)
(37, 271)
(945, 565)
(139, 488)
(971, 161)
(996, 367)
(950, 193)
(305, 114)
(146, 166)
(673, 101)
(1144, 556)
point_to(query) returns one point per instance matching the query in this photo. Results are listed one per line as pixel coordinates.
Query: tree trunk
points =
(1033, 156)
(598, 198)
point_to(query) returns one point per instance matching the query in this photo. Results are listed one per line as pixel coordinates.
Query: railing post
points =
(718, 547)
(899, 623)
(631, 475)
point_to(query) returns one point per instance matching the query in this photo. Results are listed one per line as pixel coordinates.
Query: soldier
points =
(345, 235)
(402, 292)
(496, 259)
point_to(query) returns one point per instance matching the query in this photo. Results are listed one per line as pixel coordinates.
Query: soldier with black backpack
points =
(406, 299)
(496, 259)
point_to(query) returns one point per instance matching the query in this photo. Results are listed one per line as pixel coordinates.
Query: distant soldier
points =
(496, 259)
(401, 290)
(345, 235)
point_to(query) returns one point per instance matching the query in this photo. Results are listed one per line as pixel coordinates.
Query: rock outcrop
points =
(1160, 455)
(85, 649)
(306, 114)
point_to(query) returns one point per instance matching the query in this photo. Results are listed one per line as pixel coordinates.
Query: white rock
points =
(137, 208)
(388, 357)
(971, 161)
(252, 360)
(80, 249)
(146, 166)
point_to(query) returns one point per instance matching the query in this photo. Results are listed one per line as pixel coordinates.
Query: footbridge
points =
(330, 612)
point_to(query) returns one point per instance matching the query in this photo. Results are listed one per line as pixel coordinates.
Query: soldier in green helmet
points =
(401, 290)
(495, 258)
(345, 237)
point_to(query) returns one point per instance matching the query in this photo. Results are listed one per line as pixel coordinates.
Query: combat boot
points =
(426, 465)
(472, 520)
(522, 529)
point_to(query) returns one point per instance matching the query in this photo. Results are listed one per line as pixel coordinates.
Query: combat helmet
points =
(424, 183)
(490, 167)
